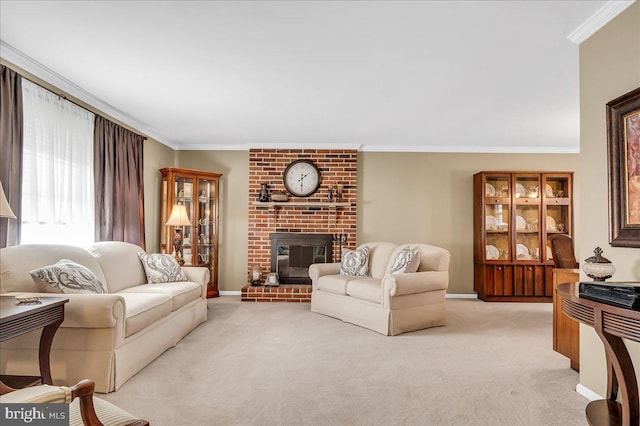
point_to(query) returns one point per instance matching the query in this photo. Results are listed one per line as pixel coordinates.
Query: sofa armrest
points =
(319, 269)
(433, 258)
(89, 310)
(417, 282)
(197, 274)
(94, 311)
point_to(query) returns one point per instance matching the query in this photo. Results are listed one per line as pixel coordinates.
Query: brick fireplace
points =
(311, 215)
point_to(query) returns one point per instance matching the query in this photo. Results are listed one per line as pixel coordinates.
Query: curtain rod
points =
(60, 95)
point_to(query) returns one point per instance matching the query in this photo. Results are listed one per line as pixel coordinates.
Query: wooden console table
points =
(17, 319)
(611, 323)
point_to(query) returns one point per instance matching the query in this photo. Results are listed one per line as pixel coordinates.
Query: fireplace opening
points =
(292, 253)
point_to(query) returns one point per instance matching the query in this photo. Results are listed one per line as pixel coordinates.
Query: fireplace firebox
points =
(292, 253)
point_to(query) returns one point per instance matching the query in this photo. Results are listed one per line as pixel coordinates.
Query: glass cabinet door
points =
(557, 207)
(497, 215)
(183, 190)
(207, 222)
(527, 217)
(177, 191)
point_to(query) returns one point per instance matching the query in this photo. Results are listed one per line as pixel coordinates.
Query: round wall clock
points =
(301, 178)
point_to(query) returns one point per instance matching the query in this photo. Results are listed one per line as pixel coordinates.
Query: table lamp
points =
(5, 209)
(178, 218)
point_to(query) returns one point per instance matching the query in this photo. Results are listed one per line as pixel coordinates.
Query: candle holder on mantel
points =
(598, 267)
(256, 275)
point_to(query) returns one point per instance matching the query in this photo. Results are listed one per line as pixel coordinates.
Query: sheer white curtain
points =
(57, 183)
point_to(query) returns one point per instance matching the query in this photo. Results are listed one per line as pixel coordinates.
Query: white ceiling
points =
(472, 76)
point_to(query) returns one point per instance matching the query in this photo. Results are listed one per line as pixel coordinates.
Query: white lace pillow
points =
(68, 276)
(406, 260)
(355, 262)
(161, 268)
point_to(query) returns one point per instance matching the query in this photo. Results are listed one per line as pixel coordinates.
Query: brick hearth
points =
(297, 293)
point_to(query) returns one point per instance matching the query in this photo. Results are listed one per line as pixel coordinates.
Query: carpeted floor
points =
(280, 364)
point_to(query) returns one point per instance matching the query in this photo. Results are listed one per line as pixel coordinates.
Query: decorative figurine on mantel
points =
(264, 193)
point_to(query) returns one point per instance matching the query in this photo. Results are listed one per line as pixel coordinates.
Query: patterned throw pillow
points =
(68, 276)
(355, 262)
(406, 260)
(161, 268)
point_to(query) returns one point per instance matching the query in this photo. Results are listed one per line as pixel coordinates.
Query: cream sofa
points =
(386, 303)
(106, 338)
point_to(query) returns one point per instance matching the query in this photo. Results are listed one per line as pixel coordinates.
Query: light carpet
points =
(281, 364)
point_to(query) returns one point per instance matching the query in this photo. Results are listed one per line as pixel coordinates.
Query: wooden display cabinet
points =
(198, 191)
(514, 213)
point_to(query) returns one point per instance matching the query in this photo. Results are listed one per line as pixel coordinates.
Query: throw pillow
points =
(355, 262)
(161, 268)
(68, 276)
(406, 260)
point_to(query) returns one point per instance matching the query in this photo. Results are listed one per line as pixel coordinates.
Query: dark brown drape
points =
(119, 183)
(11, 152)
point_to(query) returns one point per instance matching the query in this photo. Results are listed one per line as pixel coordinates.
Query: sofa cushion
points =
(120, 264)
(181, 292)
(380, 258)
(161, 268)
(144, 309)
(334, 283)
(68, 276)
(405, 260)
(369, 289)
(355, 262)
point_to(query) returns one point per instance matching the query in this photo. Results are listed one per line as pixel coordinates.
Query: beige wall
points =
(428, 197)
(234, 210)
(402, 197)
(609, 67)
(156, 156)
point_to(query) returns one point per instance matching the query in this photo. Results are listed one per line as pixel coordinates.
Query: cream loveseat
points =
(106, 338)
(388, 303)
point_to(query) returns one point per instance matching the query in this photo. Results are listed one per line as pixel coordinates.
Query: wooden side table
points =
(612, 324)
(18, 318)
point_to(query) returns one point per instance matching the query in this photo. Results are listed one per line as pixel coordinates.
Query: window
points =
(57, 177)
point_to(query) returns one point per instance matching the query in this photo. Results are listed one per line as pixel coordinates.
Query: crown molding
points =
(247, 147)
(387, 148)
(19, 59)
(599, 19)
(472, 149)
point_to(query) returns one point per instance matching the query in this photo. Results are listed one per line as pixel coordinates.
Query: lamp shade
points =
(5, 209)
(178, 216)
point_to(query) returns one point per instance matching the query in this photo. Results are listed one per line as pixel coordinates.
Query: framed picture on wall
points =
(623, 138)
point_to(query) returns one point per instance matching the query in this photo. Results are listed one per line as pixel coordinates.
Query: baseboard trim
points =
(462, 295)
(449, 295)
(587, 393)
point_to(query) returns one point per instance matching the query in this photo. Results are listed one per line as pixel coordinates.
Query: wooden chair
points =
(84, 408)
(562, 251)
